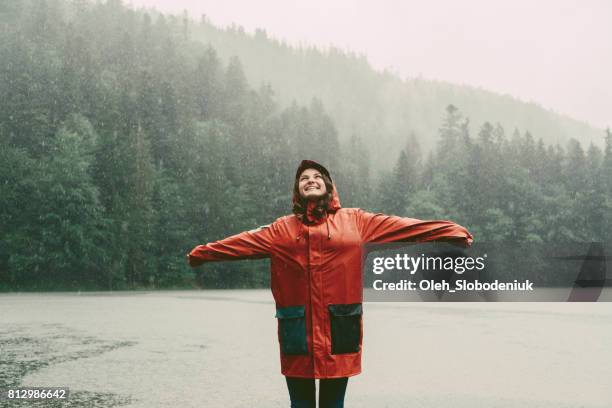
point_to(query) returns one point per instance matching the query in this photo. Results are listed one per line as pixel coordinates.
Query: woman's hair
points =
(300, 205)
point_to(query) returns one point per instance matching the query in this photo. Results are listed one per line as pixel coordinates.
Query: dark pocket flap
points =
(290, 312)
(353, 309)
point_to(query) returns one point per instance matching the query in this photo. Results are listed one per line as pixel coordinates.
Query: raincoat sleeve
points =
(252, 244)
(388, 228)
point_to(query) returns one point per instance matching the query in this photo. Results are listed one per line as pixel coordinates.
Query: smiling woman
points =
(316, 261)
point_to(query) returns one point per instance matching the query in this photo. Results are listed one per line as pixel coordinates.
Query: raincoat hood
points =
(311, 214)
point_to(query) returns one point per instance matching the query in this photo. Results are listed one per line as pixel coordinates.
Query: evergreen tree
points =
(450, 132)
(575, 171)
(397, 190)
(607, 162)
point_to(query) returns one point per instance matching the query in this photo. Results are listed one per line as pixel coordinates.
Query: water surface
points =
(219, 349)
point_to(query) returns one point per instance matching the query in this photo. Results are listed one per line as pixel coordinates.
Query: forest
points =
(125, 141)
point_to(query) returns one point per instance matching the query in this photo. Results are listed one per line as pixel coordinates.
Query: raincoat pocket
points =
(345, 321)
(292, 330)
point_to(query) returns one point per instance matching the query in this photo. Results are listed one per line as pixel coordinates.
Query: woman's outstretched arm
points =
(388, 228)
(250, 244)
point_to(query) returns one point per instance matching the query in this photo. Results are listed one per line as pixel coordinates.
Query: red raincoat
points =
(316, 279)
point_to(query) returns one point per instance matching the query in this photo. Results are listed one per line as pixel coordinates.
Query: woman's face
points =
(311, 184)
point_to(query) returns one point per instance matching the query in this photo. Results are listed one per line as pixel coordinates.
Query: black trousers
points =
(303, 395)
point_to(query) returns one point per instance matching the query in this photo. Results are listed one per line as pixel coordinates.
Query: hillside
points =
(378, 106)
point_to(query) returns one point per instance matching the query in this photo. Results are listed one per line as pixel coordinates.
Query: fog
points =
(555, 53)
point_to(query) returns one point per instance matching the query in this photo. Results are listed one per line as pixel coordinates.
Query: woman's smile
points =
(312, 187)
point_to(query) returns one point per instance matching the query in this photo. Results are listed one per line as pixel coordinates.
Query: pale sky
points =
(557, 53)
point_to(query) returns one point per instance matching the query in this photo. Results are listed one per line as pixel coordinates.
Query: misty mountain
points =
(377, 106)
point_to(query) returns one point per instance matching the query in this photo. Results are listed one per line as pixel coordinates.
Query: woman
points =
(316, 279)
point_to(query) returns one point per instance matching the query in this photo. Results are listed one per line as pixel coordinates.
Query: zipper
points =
(326, 322)
(312, 337)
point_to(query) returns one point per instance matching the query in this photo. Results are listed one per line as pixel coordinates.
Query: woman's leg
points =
(302, 392)
(331, 392)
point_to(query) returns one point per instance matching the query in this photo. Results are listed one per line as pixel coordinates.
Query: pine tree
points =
(576, 171)
(607, 162)
(450, 132)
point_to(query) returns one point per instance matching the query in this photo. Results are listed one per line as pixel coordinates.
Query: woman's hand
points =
(192, 261)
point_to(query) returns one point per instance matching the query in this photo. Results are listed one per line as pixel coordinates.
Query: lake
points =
(215, 348)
